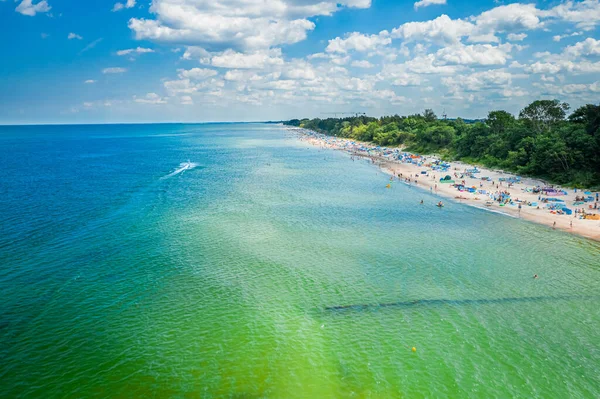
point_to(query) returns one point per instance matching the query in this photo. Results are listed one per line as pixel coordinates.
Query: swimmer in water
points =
(421, 202)
(535, 276)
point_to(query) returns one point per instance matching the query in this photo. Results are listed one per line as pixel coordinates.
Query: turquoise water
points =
(236, 261)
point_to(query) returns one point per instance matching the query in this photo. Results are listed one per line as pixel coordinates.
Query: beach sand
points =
(570, 223)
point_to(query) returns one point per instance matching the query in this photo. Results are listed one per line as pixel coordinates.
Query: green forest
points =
(544, 141)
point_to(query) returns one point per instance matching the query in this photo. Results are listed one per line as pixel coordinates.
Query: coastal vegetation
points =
(542, 141)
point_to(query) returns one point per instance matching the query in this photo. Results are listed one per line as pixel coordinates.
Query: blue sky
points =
(68, 61)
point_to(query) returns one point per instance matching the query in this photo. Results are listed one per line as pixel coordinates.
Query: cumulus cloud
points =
(584, 14)
(479, 80)
(150, 98)
(236, 24)
(253, 60)
(516, 37)
(512, 19)
(588, 47)
(362, 64)
(139, 50)
(480, 54)
(558, 38)
(197, 73)
(358, 42)
(509, 18)
(427, 3)
(455, 58)
(120, 6)
(583, 67)
(442, 30)
(26, 7)
(397, 75)
(186, 100)
(113, 70)
(72, 36)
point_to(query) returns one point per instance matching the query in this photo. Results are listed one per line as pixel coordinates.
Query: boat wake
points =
(182, 168)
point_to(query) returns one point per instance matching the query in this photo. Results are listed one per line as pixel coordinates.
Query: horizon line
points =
(135, 123)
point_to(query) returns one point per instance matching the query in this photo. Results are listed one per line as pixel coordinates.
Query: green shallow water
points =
(269, 269)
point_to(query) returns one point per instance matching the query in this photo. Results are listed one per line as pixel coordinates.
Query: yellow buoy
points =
(414, 349)
(388, 186)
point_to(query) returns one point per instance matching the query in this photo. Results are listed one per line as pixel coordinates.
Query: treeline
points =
(542, 141)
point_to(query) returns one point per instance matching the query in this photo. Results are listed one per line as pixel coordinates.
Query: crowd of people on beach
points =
(470, 183)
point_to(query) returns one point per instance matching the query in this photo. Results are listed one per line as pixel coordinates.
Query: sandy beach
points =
(519, 197)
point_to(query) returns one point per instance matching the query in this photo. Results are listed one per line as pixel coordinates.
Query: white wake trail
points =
(182, 168)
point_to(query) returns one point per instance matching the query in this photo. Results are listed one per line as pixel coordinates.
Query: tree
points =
(542, 115)
(474, 141)
(499, 121)
(588, 115)
(429, 115)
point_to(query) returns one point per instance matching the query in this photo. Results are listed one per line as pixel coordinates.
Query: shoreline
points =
(485, 190)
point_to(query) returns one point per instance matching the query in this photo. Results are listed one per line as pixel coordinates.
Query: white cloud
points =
(196, 73)
(254, 60)
(490, 79)
(90, 81)
(150, 98)
(299, 71)
(442, 30)
(186, 100)
(114, 70)
(453, 58)
(237, 24)
(74, 36)
(138, 50)
(358, 42)
(479, 54)
(513, 92)
(563, 66)
(428, 64)
(237, 75)
(362, 64)
(584, 14)
(120, 6)
(175, 87)
(397, 75)
(26, 7)
(558, 38)
(509, 18)
(568, 90)
(516, 37)
(588, 47)
(427, 3)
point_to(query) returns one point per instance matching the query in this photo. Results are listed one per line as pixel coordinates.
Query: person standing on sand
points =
(554, 226)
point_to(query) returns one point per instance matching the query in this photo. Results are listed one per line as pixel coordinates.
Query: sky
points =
(67, 61)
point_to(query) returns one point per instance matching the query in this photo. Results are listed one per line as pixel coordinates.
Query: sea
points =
(237, 261)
